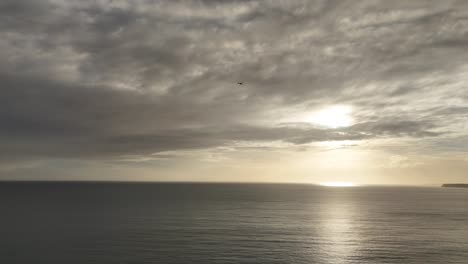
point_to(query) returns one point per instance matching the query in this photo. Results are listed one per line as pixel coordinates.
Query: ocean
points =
(68, 223)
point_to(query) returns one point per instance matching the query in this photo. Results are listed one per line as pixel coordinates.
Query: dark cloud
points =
(55, 119)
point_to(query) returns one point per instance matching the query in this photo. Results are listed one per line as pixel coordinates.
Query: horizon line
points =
(210, 182)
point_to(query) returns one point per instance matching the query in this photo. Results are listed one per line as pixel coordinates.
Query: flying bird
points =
(240, 83)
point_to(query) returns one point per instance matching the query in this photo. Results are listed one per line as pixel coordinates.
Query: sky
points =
(361, 91)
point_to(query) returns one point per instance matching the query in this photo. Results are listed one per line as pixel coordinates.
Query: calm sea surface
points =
(103, 223)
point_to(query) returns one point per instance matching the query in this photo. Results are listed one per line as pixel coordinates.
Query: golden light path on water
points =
(339, 227)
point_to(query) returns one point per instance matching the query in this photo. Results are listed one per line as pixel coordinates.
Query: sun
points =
(337, 184)
(332, 117)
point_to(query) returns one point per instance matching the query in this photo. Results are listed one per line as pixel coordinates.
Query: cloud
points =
(106, 79)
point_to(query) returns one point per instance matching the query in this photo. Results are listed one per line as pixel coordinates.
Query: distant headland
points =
(456, 185)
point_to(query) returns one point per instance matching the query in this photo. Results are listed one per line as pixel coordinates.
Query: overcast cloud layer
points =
(108, 80)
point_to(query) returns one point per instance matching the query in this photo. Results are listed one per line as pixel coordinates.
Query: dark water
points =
(230, 223)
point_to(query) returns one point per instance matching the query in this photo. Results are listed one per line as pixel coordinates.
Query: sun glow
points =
(332, 117)
(337, 184)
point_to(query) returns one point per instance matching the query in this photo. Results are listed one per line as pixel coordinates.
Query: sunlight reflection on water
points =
(231, 223)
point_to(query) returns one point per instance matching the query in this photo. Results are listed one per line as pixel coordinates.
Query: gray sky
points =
(359, 91)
